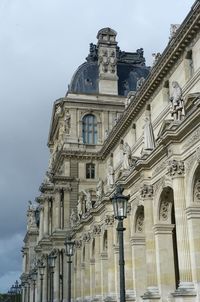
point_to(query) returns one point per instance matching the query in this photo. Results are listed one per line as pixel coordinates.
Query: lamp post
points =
(69, 244)
(34, 278)
(41, 267)
(119, 202)
(52, 259)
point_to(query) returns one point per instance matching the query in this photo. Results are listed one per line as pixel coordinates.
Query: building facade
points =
(122, 123)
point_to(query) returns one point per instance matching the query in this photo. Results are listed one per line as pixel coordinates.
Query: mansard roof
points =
(130, 67)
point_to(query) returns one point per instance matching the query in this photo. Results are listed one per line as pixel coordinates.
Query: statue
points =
(149, 140)
(99, 190)
(139, 83)
(79, 207)
(73, 218)
(88, 202)
(110, 175)
(156, 56)
(67, 120)
(177, 104)
(126, 156)
(58, 110)
(31, 216)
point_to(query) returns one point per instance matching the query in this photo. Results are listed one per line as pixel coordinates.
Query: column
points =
(176, 170)
(96, 232)
(139, 264)
(45, 280)
(56, 209)
(165, 258)
(66, 207)
(130, 294)
(86, 294)
(152, 292)
(56, 280)
(109, 221)
(193, 216)
(41, 227)
(46, 218)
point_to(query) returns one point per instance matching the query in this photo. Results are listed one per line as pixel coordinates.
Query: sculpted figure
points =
(88, 202)
(126, 156)
(73, 218)
(177, 104)
(140, 83)
(149, 140)
(67, 120)
(99, 190)
(110, 175)
(58, 110)
(79, 207)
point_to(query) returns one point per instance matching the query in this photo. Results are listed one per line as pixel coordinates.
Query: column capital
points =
(86, 237)
(176, 168)
(96, 229)
(146, 191)
(109, 220)
(78, 243)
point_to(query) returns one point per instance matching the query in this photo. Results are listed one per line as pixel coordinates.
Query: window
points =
(90, 171)
(89, 129)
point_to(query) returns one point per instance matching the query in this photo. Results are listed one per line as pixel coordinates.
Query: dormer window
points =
(89, 127)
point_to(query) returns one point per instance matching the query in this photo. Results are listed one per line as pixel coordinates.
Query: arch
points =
(89, 129)
(190, 179)
(139, 219)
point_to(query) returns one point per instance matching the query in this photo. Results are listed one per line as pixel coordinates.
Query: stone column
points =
(46, 218)
(109, 221)
(78, 271)
(56, 279)
(87, 268)
(56, 209)
(139, 264)
(193, 216)
(45, 280)
(165, 257)
(176, 170)
(66, 207)
(41, 227)
(130, 294)
(152, 292)
(96, 233)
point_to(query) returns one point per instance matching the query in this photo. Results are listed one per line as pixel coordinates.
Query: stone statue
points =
(126, 156)
(106, 133)
(80, 206)
(156, 56)
(149, 140)
(99, 190)
(88, 201)
(177, 104)
(139, 83)
(31, 221)
(110, 175)
(73, 218)
(58, 110)
(67, 120)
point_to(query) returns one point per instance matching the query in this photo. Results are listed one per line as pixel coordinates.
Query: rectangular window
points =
(90, 171)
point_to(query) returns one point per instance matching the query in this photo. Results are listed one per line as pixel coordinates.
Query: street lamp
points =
(52, 259)
(70, 245)
(41, 267)
(120, 202)
(34, 278)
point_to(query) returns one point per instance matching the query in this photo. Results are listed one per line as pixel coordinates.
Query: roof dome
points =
(130, 68)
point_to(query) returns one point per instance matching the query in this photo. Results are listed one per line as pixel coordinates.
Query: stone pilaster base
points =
(152, 294)
(185, 293)
(110, 298)
(130, 295)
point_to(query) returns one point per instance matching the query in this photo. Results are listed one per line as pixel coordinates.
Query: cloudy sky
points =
(42, 42)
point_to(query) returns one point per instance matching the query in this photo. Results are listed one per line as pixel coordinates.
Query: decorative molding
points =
(139, 227)
(176, 168)
(109, 220)
(146, 191)
(164, 210)
(197, 191)
(96, 229)
(192, 139)
(159, 167)
(189, 162)
(86, 237)
(78, 243)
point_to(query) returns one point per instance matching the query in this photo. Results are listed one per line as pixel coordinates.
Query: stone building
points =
(123, 123)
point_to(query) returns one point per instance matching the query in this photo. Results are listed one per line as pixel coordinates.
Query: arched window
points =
(89, 127)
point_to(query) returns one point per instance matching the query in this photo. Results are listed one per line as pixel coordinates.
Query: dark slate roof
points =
(130, 68)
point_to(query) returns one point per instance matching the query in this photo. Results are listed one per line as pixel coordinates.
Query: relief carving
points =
(176, 167)
(146, 191)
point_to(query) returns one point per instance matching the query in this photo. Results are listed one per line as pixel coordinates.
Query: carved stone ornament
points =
(176, 167)
(139, 227)
(86, 237)
(146, 191)
(96, 229)
(164, 210)
(197, 191)
(78, 244)
(109, 220)
(54, 253)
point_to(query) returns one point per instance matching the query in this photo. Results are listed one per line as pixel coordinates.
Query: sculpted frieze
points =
(159, 167)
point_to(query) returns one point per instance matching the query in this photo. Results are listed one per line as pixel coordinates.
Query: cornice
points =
(175, 48)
